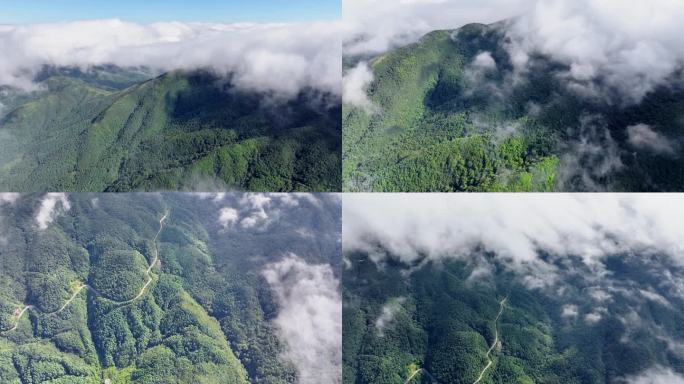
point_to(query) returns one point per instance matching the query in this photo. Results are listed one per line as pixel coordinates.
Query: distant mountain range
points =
(451, 113)
(113, 129)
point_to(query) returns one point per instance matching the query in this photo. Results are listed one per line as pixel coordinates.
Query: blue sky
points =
(147, 11)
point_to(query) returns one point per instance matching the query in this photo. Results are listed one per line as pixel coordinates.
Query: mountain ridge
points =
(451, 112)
(156, 134)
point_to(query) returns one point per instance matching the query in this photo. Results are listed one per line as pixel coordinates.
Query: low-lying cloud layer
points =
(515, 227)
(374, 26)
(278, 58)
(630, 47)
(627, 48)
(309, 319)
(573, 248)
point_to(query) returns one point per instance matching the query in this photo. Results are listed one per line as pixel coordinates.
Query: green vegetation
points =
(88, 132)
(446, 323)
(204, 318)
(119, 275)
(440, 124)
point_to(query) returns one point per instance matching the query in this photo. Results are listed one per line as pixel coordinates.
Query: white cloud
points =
(254, 219)
(656, 375)
(481, 273)
(591, 157)
(600, 39)
(257, 202)
(374, 26)
(475, 76)
(655, 297)
(631, 47)
(9, 198)
(309, 319)
(48, 210)
(346, 262)
(228, 217)
(484, 61)
(515, 227)
(354, 86)
(600, 295)
(593, 318)
(256, 211)
(570, 311)
(644, 137)
(389, 311)
(279, 58)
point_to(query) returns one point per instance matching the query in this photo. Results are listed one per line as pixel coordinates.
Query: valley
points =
(207, 312)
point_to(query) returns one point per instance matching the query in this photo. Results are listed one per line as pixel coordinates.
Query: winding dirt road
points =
(496, 341)
(152, 264)
(148, 274)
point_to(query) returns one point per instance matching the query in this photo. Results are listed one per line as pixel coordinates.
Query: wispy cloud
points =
(49, 208)
(355, 83)
(656, 375)
(389, 312)
(642, 136)
(9, 198)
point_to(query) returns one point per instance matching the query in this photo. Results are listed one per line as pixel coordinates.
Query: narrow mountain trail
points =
(496, 341)
(148, 274)
(419, 370)
(152, 264)
(413, 375)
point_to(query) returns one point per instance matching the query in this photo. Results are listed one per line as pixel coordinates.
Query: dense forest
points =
(109, 129)
(434, 322)
(153, 288)
(452, 113)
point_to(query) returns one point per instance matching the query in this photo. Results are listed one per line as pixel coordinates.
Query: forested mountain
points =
(110, 129)
(453, 113)
(435, 321)
(160, 288)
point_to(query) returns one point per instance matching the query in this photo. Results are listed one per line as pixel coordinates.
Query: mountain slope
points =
(443, 317)
(114, 289)
(176, 131)
(451, 113)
